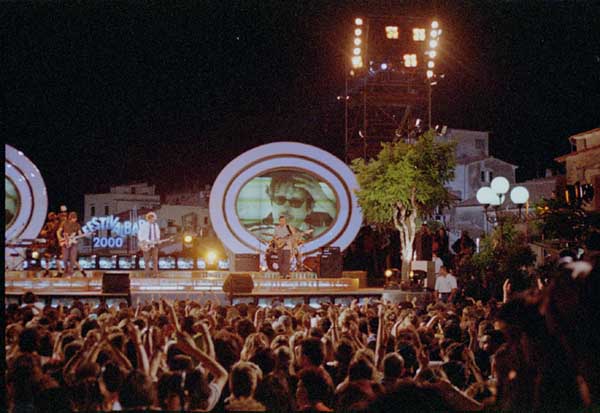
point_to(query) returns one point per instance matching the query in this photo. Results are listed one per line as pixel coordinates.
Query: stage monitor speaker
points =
(238, 283)
(247, 262)
(115, 283)
(330, 262)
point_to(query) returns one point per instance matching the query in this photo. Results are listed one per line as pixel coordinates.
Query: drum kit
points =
(298, 262)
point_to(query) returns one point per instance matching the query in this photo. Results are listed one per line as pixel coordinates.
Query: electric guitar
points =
(148, 245)
(279, 243)
(70, 240)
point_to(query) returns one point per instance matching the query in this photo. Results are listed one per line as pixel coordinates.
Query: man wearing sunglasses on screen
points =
(297, 196)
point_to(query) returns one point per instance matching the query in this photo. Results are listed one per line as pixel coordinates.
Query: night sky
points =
(103, 93)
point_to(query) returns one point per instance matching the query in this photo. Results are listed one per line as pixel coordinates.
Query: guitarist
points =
(149, 232)
(69, 228)
(282, 239)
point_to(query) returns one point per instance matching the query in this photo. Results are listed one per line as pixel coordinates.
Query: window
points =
(93, 210)
(106, 210)
(205, 220)
(487, 176)
(410, 60)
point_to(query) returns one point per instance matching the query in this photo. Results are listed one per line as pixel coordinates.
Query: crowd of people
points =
(536, 350)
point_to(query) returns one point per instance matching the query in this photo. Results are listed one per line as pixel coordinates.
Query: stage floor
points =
(201, 286)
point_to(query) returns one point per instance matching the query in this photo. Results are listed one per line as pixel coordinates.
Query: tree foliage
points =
(405, 182)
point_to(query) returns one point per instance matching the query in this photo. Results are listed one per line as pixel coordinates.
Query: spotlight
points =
(384, 66)
(211, 257)
(356, 51)
(188, 239)
(357, 41)
(429, 74)
(388, 273)
(430, 64)
(435, 24)
(357, 32)
(35, 255)
(432, 53)
(433, 34)
(358, 21)
(433, 44)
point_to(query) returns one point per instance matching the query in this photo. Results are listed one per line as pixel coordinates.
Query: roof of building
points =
(582, 135)
(563, 158)
(472, 159)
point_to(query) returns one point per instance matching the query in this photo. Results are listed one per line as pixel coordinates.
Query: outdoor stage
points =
(200, 286)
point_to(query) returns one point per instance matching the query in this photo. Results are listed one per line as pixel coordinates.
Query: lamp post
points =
(495, 195)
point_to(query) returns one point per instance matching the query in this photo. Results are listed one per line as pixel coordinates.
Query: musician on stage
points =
(282, 238)
(149, 239)
(52, 245)
(68, 229)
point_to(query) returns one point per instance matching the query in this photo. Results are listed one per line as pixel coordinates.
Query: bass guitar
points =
(145, 246)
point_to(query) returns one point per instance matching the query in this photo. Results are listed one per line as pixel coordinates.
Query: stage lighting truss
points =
(428, 37)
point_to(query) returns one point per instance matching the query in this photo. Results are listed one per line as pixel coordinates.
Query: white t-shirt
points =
(438, 264)
(445, 284)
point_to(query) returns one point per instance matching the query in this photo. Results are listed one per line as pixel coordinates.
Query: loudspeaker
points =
(330, 262)
(116, 283)
(247, 262)
(238, 283)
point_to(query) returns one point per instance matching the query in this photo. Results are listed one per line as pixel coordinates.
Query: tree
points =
(503, 254)
(405, 182)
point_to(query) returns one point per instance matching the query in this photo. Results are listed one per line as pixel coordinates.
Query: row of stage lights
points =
(392, 33)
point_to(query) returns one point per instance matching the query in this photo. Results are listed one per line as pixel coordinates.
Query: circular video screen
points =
(12, 202)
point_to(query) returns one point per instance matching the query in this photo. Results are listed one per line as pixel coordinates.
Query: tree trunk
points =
(405, 223)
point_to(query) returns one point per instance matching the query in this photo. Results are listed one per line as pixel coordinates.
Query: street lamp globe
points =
(497, 200)
(519, 195)
(485, 195)
(500, 185)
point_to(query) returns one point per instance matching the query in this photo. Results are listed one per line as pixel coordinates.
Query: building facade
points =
(582, 164)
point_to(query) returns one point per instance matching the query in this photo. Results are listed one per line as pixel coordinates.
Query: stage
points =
(304, 287)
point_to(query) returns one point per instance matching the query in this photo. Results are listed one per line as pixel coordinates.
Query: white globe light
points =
(500, 185)
(519, 195)
(485, 195)
(497, 200)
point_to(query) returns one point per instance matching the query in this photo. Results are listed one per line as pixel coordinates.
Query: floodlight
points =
(432, 53)
(391, 32)
(433, 44)
(357, 51)
(430, 64)
(410, 60)
(435, 24)
(357, 41)
(357, 32)
(433, 34)
(358, 21)
(418, 35)
(500, 185)
(519, 195)
(357, 62)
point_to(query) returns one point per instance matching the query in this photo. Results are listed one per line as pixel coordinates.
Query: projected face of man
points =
(291, 202)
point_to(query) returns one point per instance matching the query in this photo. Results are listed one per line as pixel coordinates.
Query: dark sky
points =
(101, 93)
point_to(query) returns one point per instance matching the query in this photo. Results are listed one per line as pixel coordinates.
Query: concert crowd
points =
(533, 350)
